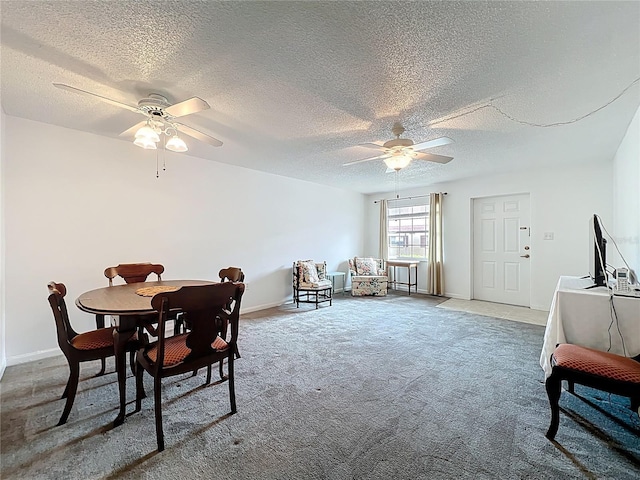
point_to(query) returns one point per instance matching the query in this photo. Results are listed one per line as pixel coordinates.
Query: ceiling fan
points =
(399, 152)
(161, 119)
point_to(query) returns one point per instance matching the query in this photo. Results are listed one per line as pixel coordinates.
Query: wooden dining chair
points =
(229, 274)
(201, 346)
(133, 272)
(78, 347)
(130, 273)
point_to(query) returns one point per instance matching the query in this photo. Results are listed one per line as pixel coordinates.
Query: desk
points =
(408, 265)
(584, 317)
(333, 275)
(123, 301)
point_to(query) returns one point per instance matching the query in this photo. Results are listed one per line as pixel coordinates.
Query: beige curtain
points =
(384, 234)
(435, 268)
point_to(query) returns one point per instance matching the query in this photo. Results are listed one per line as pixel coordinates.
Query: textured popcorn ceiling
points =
(294, 87)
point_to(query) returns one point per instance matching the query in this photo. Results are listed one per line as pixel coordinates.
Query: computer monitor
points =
(597, 253)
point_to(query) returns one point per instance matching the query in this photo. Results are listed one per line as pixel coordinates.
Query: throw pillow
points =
(366, 266)
(308, 272)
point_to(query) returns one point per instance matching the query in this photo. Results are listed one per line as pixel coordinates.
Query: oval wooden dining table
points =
(130, 308)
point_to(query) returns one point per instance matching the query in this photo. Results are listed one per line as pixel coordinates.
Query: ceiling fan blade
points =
(371, 145)
(198, 135)
(100, 97)
(366, 159)
(192, 105)
(436, 142)
(130, 132)
(432, 157)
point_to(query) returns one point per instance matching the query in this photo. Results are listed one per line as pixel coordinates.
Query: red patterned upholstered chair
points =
(596, 369)
(78, 347)
(201, 346)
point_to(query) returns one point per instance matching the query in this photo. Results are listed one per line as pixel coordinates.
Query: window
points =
(408, 231)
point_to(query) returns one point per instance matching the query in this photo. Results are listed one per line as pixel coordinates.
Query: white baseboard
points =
(30, 357)
(262, 307)
(3, 367)
(456, 296)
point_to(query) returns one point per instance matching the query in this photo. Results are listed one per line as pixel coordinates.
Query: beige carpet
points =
(497, 310)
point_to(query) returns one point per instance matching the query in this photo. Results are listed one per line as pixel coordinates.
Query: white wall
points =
(77, 203)
(3, 351)
(562, 201)
(626, 199)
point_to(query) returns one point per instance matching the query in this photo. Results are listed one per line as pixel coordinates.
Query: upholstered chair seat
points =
(101, 338)
(604, 371)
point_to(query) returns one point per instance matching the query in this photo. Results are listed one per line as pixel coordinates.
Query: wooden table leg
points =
(121, 335)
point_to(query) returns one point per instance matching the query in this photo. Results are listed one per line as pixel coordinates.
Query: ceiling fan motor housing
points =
(398, 142)
(154, 104)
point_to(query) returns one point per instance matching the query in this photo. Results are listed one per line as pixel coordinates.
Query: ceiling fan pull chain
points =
(164, 156)
(157, 174)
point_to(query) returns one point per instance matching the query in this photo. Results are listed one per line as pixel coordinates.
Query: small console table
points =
(333, 275)
(408, 265)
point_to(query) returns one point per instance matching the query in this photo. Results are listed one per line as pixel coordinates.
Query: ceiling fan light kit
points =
(148, 136)
(176, 144)
(397, 162)
(148, 133)
(145, 143)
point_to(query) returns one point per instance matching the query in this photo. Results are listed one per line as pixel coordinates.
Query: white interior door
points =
(501, 249)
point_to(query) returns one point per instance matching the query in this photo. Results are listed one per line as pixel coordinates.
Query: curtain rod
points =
(406, 198)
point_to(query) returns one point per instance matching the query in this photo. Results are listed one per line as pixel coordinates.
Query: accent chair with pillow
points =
(368, 277)
(310, 283)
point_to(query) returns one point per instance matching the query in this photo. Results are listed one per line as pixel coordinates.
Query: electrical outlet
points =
(548, 236)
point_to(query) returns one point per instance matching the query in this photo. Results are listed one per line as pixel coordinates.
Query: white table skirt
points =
(585, 317)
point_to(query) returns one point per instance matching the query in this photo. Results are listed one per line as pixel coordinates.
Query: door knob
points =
(525, 256)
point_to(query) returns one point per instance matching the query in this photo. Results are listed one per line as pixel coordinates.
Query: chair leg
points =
(220, 369)
(157, 397)
(553, 386)
(72, 387)
(103, 364)
(232, 391)
(66, 388)
(139, 387)
(132, 362)
(208, 380)
(100, 324)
